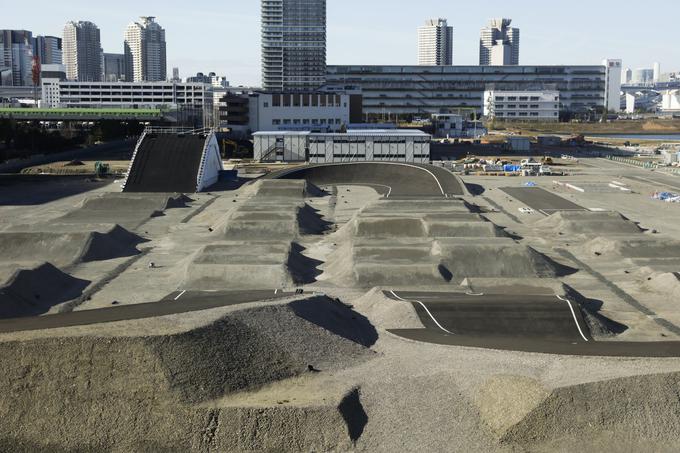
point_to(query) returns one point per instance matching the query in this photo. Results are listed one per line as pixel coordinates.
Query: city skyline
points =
(393, 41)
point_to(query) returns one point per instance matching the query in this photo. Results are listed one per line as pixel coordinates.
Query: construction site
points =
(349, 306)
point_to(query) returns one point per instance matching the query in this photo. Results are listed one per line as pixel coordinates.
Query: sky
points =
(224, 36)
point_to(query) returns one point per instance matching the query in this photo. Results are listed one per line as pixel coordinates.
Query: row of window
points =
(278, 122)
(521, 114)
(521, 98)
(523, 106)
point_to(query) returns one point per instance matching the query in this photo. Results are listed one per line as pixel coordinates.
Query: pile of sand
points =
(645, 409)
(107, 392)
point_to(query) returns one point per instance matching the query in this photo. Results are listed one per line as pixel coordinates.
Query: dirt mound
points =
(251, 266)
(97, 383)
(642, 407)
(126, 209)
(64, 249)
(497, 260)
(272, 188)
(33, 292)
(634, 248)
(589, 223)
(274, 221)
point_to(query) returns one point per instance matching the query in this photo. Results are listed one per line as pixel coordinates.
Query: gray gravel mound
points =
(164, 393)
(643, 407)
(589, 223)
(31, 292)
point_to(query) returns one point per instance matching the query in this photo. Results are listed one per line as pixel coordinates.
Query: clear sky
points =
(224, 36)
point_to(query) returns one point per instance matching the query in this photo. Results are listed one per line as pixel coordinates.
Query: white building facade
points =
(354, 146)
(613, 85)
(299, 111)
(145, 51)
(82, 51)
(68, 94)
(522, 105)
(435, 43)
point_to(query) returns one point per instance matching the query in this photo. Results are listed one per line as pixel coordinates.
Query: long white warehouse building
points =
(396, 145)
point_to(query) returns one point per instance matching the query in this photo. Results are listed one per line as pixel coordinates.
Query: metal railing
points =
(134, 155)
(178, 130)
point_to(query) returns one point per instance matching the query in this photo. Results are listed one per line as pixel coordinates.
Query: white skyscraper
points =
(82, 52)
(612, 101)
(435, 43)
(657, 72)
(145, 51)
(499, 44)
(293, 44)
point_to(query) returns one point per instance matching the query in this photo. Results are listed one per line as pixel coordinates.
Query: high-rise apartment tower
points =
(293, 44)
(499, 44)
(82, 51)
(145, 51)
(435, 43)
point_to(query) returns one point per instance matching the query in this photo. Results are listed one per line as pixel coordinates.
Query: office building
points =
(82, 51)
(48, 49)
(114, 67)
(395, 145)
(541, 106)
(627, 76)
(670, 102)
(435, 43)
(16, 58)
(247, 113)
(612, 90)
(293, 44)
(404, 92)
(499, 44)
(145, 51)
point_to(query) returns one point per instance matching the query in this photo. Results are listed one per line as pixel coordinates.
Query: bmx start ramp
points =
(166, 161)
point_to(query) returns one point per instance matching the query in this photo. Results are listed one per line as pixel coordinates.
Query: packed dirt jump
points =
(374, 307)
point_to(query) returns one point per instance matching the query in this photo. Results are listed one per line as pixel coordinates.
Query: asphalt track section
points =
(499, 315)
(176, 303)
(430, 306)
(404, 179)
(541, 200)
(166, 163)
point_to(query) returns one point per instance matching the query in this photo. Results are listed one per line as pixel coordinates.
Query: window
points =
(512, 106)
(337, 121)
(523, 114)
(286, 121)
(500, 98)
(296, 121)
(512, 98)
(315, 121)
(535, 98)
(305, 121)
(534, 106)
(276, 122)
(524, 98)
(524, 106)
(266, 105)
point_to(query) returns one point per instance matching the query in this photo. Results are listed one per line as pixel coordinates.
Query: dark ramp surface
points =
(175, 303)
(166, 163)
(401, 179)
(510, 323)
(541, 200)
(507, 316)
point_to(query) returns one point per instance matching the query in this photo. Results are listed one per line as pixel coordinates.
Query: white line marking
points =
(428, 312)
(474, 294)
(381, 163)
(276, 291)
(573, 313)
(180, 295)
